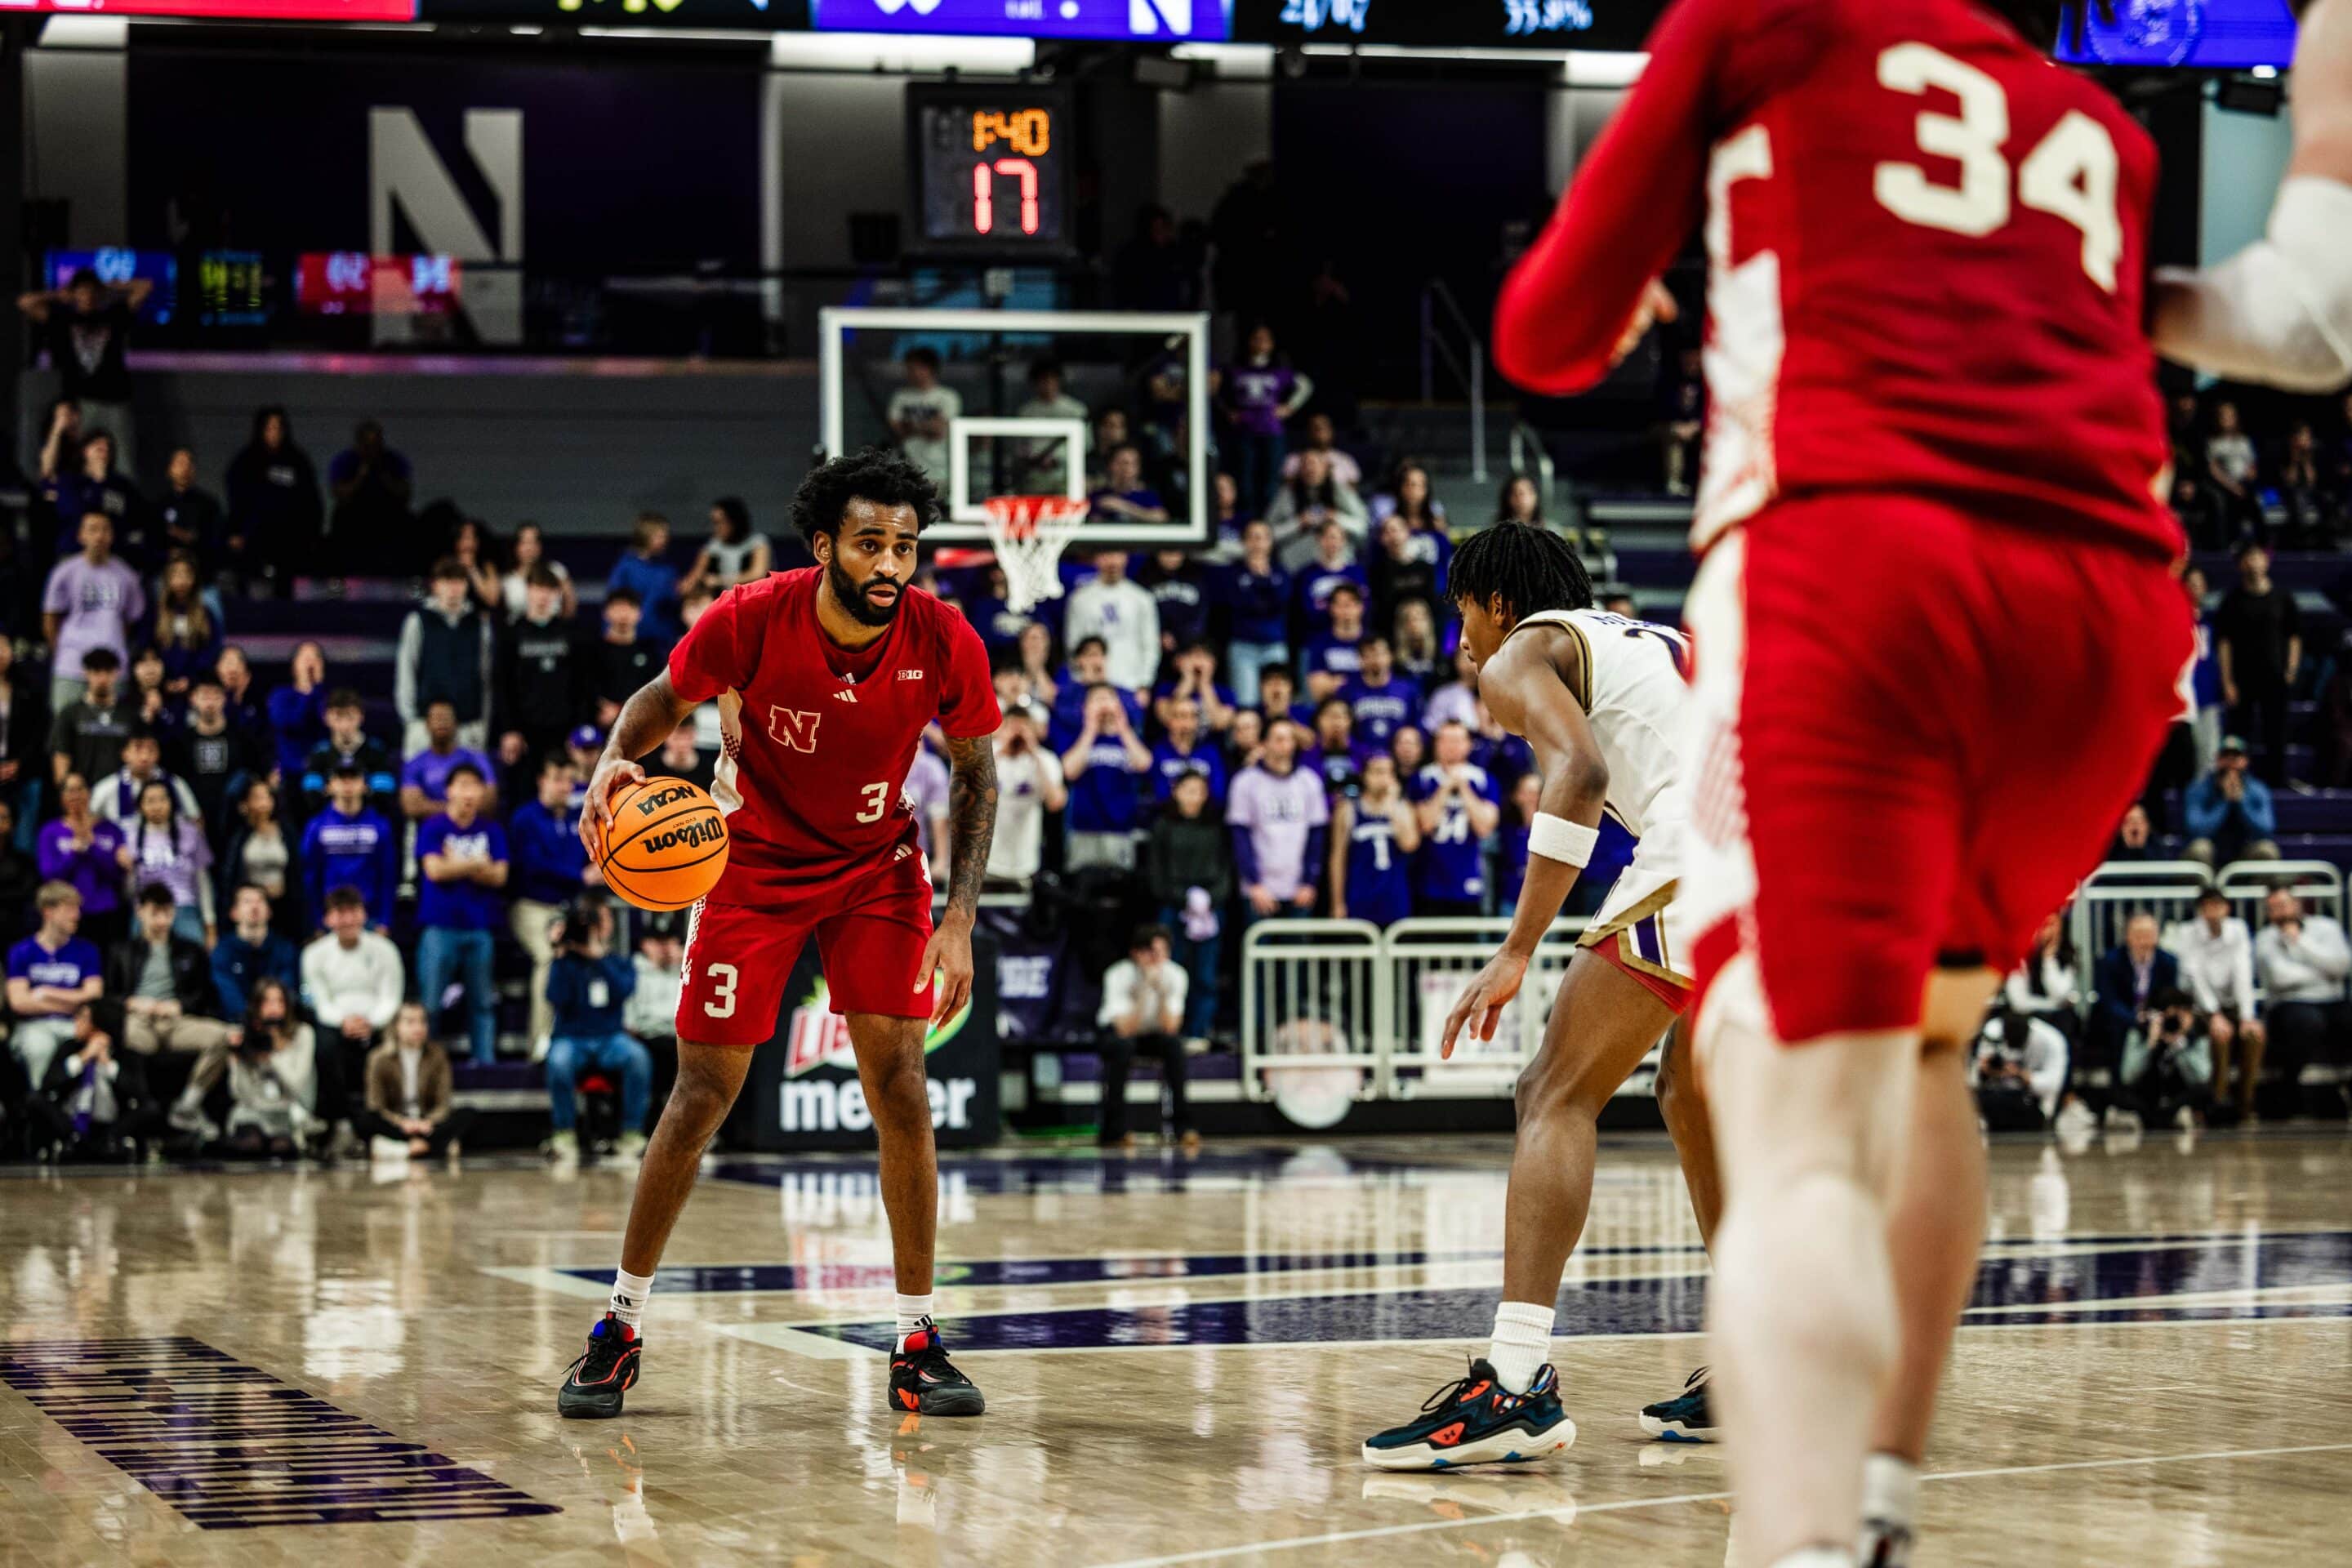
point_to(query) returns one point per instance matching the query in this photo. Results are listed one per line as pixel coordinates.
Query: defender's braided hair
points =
(1533, 569)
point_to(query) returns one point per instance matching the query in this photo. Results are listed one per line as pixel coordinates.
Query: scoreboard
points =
(990, 167)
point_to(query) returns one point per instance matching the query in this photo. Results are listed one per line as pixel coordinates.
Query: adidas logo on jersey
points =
(845, 695)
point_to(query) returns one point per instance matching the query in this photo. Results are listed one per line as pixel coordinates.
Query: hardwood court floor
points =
(1180, 1360)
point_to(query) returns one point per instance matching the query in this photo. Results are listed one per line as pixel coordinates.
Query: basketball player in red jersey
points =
(825, 680)
(1937, 644)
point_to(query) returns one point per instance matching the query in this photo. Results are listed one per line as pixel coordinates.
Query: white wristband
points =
(1558, 839)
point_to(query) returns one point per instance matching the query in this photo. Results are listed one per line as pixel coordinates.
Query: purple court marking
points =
(1678, 1305)
(231, 1448)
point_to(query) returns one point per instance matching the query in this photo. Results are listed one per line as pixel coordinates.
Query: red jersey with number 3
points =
(1928, 255)
(818, 737)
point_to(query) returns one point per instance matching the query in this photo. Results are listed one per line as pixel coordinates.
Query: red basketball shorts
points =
(869, 936)
(1912, 734)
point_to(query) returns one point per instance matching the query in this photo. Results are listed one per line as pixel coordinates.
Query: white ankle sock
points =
(1521, 1344)
(629, 1293)
(1890, 1496)
(912, 1310)
(1818, 1557)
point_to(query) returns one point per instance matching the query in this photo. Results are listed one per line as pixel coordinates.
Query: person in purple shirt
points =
(1106, 765)
(298, 716)
(1196, 681)
(1456, 702)
(461, 855)
(1253, 598)
(1312, 586)
(645, 570)
(1278, 690)
(1183, 752)
(1335, 756)
(88, 602)
(1458, 806)
(347, 845)
(1383, 700)
(927, 787)
(50, 974)
(162, 847)
(84, 851)
(1089, 667)
(1337, 656)
(424, 782)
(1179, 587)
(1258, 394)
(1278, 814)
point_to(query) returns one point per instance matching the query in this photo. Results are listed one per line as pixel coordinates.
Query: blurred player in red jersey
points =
(825, 680)
(1932, 548)
(2280, 312)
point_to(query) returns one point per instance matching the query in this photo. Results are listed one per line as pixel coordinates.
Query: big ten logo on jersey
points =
(794, 727)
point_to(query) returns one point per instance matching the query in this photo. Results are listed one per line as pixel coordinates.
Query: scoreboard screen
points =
(1550, 24)
(991, 169)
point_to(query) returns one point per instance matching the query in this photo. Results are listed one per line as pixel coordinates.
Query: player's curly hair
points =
(877, 474)
(1531, 568)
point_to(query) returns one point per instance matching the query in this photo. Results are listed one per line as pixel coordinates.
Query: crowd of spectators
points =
(270, 917)
(2204, 1022)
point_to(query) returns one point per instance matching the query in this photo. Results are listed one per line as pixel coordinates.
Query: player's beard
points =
(852, 597)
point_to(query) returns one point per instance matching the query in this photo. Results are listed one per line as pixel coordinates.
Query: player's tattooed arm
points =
(971, 810)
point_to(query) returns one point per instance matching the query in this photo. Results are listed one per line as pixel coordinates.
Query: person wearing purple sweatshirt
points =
(1254, 599)
(1278, 814)
(82, 850)
(1259, 393)
(298, 717)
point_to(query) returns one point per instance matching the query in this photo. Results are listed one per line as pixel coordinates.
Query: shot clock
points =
(991, 169)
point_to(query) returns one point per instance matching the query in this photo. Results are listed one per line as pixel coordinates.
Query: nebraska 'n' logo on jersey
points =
(794, 727)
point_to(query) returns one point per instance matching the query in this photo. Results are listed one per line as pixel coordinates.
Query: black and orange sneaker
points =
(1474, 1420)
(923, 1380)
(605, 1371)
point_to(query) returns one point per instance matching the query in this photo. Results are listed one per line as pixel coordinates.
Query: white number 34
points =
(2072, 176)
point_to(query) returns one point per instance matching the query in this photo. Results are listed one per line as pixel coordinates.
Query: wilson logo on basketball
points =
(693, 835)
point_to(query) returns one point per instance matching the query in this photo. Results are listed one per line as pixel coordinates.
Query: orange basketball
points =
(667, 844)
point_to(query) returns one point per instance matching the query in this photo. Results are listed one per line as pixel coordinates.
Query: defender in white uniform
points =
(1600, 698)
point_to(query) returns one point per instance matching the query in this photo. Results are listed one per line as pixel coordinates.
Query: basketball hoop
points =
(1029, 534)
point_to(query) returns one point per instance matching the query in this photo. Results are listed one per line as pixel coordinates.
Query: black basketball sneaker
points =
(605, 1371)
(1474, 1421)
(924, 1381)
(1684, 1418)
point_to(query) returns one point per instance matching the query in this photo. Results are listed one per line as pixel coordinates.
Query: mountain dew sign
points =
(804, 1082)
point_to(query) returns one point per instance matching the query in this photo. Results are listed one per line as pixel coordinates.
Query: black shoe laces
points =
(1452, 1393)
(602, 1354)
(933, 1358)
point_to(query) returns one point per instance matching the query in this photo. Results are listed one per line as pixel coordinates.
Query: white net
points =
(1029, 534)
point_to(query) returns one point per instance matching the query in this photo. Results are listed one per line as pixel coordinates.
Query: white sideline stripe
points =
(549, 1280)
(784, 1337)
(1332, 1538)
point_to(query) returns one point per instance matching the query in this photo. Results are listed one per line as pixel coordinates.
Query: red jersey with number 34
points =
(1928, 255)
(818, 737)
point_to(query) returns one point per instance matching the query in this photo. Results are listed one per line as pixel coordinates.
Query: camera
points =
(583, 922)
